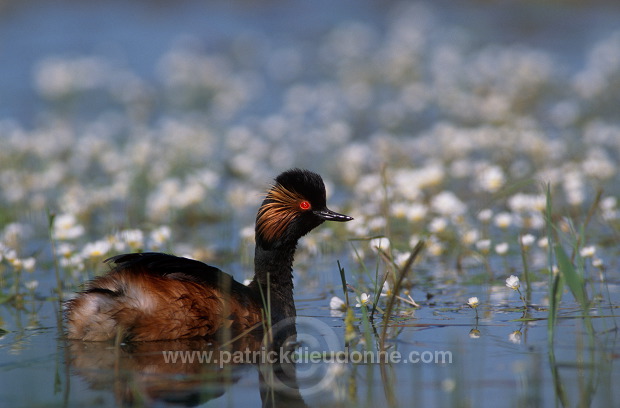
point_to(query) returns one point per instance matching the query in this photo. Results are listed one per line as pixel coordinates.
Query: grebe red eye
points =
(304, 205)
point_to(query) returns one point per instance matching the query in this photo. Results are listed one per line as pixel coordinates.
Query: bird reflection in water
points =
(139, 375)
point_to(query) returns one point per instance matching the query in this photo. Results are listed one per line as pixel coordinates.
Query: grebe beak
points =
(329, 215)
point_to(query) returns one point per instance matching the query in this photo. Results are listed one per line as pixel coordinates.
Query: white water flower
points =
(336, 303)
(515, 337)
(491, 179)
(29, 264)
(379, 243)
(502, 249)
(474, 334)
(527, 240)
(449, 384)
(74, 262)
(435, 248)
(522, 203)
(247, 233)
(401, 258)
(386, 290)
(513, 282)
(543, 242)
(96, 249)
(608, 203)
(588, 251)
(485, 215)
(447, 203)
(503, 220)
(66, 227)
(483, 245)
(377, 223)
(470, 237)
(134, 238)
(416, 212)
(10, 255)
(159, 236)
(399, 210)
(16, 263)
(362, 300)
(473, 302)
(438, 225)
(65, 249)
(31, 285)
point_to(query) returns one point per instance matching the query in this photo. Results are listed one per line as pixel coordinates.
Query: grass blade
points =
(556, 284)
(343, 279)
(573, 279)
(402, 273)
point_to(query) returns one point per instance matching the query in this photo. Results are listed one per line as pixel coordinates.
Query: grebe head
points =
(294, 206)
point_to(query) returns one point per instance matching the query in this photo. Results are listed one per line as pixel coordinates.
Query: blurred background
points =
(93, 94)
(136, 35)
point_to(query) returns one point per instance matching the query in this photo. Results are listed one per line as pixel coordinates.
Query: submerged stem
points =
(522, 298)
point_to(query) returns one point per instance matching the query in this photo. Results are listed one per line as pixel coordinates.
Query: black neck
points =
(273, 268)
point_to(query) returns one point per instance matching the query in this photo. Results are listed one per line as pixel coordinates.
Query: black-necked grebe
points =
(156, 296)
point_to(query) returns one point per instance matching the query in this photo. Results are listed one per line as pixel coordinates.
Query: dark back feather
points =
(179, 268)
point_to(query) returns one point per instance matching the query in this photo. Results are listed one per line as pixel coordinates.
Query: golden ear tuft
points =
(281, 208)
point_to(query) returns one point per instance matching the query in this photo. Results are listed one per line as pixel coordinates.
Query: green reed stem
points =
(522, 299)
(343, 279)
(526, 272)
(556, 283)
(392, 299)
